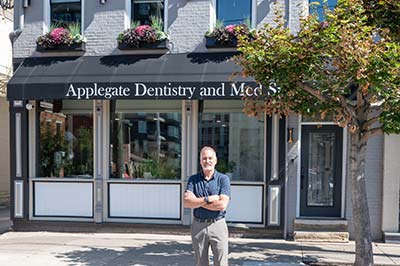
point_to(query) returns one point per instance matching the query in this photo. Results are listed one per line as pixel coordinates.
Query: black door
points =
(321, 171)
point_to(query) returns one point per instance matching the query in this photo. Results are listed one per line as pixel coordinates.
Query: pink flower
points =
(230, 28)
(141, 30)
(58, 34)
(324, 24)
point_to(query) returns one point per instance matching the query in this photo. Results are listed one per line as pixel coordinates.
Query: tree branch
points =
(312, 91)
(370, 122)
(348, 107)
(371, 133)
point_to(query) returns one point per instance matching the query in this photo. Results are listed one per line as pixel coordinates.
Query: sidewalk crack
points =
(384, 253)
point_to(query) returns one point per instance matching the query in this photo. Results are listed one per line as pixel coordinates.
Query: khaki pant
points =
(214, 235)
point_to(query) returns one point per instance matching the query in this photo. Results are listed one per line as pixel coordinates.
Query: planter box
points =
(144, 46)
(211, 42)
(75, 47)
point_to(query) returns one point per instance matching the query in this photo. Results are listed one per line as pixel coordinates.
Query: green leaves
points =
(316, 68)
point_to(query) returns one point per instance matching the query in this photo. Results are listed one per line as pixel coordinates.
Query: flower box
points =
(75, 47)
(212, 42)
(143, 45)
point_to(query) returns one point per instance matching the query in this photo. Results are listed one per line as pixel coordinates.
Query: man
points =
(208, 193)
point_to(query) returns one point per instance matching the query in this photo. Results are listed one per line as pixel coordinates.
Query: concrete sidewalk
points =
(60, 249)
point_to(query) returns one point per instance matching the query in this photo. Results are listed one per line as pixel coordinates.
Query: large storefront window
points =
(145, 139)
(237, 138)
(65, 147)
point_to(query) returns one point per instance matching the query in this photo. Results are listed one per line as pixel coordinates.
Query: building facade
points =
(6, 27)
(104, 134)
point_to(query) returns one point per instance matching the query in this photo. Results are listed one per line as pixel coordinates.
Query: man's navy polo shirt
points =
(217, 185)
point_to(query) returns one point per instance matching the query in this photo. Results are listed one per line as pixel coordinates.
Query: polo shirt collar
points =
(212, 177)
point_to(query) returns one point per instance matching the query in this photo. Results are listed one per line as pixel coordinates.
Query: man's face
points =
(208, 160)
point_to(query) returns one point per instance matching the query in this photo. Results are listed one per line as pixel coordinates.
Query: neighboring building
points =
(6, 26)
(106, 135)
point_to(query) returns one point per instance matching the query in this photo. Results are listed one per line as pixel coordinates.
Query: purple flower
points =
(59, 34)
(141, 30)
(230, 28)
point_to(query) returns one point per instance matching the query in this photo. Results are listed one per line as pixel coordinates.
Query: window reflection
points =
(238, 140)
(234, 11)
(65, 12)
(144, 10)
(65, 140)
(145, 144)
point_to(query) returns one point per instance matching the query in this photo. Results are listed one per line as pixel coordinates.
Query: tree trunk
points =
(361, 219)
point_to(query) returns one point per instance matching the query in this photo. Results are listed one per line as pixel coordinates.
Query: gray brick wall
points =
(187, 23)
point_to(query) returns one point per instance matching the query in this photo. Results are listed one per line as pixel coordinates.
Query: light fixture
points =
(7, 4)
(103, 2)
(290, 135)
(27, 3)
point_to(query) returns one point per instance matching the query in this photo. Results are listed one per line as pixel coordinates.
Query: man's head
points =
(208, 159)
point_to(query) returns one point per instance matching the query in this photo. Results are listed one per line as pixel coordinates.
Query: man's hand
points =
(213, 198)
(218, 205)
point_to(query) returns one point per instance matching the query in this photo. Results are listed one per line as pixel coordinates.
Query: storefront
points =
(115, 138)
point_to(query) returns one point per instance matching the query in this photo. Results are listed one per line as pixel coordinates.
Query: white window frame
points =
(129, 14)
(47, 16)
(213, 14)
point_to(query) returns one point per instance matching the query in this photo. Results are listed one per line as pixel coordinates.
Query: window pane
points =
(143, 10)
(65, 139)
(233, 11)
(238, 140)
(66, 13)
(145, 144)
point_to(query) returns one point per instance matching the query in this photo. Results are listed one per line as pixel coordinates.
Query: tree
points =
(348, 67)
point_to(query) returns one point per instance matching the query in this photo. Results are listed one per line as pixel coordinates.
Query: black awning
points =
(172, 76)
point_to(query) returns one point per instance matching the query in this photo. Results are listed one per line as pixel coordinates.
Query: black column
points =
(18, 107)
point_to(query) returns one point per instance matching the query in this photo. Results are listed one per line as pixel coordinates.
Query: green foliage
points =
(347, 66)
(164, 168)
(134, 24)
(75, 31)
(158, 25)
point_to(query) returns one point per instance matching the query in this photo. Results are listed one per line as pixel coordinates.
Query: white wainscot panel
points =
(246, 204)
(161, 201)
(63, 199)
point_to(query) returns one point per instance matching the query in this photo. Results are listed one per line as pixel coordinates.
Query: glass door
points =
(321, 171)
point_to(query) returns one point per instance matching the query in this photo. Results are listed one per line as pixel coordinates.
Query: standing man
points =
(208, 193)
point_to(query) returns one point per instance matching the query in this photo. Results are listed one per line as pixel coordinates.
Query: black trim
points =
(212, 42)
(262, 203)
(144, 46)
(322, 211)
(75, 47)
(62, 216)
(147, 218)
(24, 159)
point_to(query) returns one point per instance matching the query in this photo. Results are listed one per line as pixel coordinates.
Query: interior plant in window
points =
(139, 35)
(60, 36)
(226, 36)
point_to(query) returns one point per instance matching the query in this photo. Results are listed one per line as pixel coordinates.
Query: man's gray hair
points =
(208, 148)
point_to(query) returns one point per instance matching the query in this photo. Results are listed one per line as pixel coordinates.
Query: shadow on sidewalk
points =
(172, 253)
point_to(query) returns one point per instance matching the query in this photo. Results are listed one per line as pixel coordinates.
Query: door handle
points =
(302, 177)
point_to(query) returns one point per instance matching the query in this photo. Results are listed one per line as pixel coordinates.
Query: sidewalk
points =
(75, 249)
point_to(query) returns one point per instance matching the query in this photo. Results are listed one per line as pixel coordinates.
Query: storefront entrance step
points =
(313, 236)
(316, 224)
(391, 237)
(89, 227)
